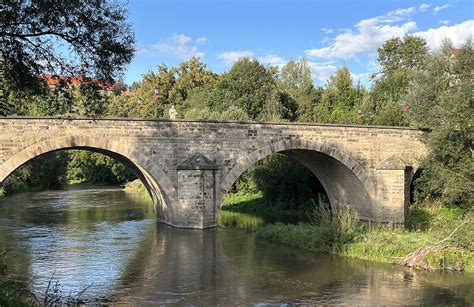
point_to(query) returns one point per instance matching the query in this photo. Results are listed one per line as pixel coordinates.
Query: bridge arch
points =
(158, 185)
(343, 178)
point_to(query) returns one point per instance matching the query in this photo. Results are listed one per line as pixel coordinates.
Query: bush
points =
(328, 232)
(417, 218)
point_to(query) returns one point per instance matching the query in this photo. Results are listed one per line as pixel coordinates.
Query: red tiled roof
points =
(456, 51)
(53, 80)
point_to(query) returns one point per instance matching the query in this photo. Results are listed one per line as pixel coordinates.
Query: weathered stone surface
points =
(197, 162)
(188, 166)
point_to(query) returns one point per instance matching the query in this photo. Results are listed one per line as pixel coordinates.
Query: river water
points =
(109, 240)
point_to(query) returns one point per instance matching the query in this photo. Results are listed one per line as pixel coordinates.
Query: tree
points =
(249, 86)
(284, 182)
(93, 167)
(34, 35)
(440, 99)
(339, 100)
(190, 74)
(89, 100)
(398, 59)
(295, 81)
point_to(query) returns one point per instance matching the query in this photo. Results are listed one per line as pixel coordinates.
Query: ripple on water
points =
(103, 237)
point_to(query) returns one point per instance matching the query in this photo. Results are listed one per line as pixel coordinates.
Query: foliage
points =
(88, 100)
(417, 218)
(124, 105)
(295, 82)
(99, 40)
(172, 86)
(251, 87)
(10, 294)
(254, 204)
(191, 74)
(45, 172)
(49, 104)
(441, 100)
(399, 59)
(383, 242)
(136, 187)
(91, 167)
(329, 235)
(340, 100)
(285, 182)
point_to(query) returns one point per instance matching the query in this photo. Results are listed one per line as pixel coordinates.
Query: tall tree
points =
(441, 100)
(89, 100)
(190, 74)
(399, 59)
(249, 86)
(339, 99)
(63, 38)
(296, 81)
(153, 92)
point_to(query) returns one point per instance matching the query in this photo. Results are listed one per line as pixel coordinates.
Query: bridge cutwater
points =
(188, 166)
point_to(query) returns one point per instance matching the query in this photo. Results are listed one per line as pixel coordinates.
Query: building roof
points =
(73, 81)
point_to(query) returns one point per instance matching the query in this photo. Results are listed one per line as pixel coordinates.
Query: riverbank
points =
(439, 246)
(137, 188)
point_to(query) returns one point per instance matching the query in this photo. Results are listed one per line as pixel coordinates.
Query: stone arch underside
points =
(158, 185)
(343, 178)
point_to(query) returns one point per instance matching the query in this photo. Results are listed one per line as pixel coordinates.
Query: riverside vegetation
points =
(319, 229)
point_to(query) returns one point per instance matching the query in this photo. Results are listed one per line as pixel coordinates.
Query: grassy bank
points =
(250, 211)
(431, 245)
(136, 187)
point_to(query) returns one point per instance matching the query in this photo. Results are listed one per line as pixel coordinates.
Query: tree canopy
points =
(63, 38)
(441, 100)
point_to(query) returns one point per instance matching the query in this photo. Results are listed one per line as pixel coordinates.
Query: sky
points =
(329, 34)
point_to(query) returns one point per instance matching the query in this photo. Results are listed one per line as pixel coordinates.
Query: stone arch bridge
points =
(188, 166)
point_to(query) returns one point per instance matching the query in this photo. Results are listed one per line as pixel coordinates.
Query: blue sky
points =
(328, 33)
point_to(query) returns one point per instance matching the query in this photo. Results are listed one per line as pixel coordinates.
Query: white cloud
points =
(424, 6)
(229, 57)
(445, 22)
(369, 34)
(201, 40)
(273, 60)
(179, 45)
(363, 78)
(439, 8)
(327, 30)
(456, 33)
(320, 72)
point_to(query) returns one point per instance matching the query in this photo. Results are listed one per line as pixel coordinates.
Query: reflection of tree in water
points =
(18, 260)
(157, 263)
(230, 267)
(72, 232)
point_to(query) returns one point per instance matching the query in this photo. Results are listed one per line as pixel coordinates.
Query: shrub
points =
(417, 218)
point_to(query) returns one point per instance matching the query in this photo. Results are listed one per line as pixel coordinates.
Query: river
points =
(109, 240)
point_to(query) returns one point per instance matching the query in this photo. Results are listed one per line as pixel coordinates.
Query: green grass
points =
(388, 243)
(136, 187)
(239, 220)
(255, 205)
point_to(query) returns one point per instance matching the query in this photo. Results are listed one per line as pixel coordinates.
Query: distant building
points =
(70, 83)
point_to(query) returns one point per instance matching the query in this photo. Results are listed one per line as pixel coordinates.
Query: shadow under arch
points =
(415, 175)
(158, 185)
(343, 178)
